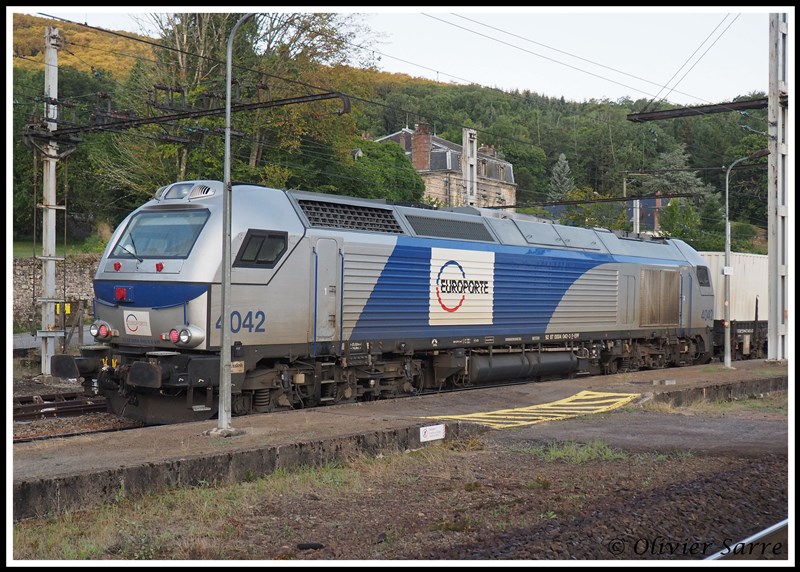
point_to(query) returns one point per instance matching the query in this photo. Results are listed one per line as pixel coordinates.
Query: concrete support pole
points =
(50, 331)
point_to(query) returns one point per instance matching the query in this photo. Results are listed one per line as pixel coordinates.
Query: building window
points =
(501, 172)
(482, 168)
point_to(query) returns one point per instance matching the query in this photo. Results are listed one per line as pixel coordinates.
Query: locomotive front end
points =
(151, 309)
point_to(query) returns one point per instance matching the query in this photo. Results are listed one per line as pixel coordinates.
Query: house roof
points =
(446, 155)
(436, 142)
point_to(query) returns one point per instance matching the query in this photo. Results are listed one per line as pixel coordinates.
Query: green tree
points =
(590, 211)
(309, 146)
(76, 185)
(747, 182)
(371, 170)
(673, 177)
(273, 55)
(561, 181)
(680, 219)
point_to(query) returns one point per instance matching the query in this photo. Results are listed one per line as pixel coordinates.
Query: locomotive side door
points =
(326, 268)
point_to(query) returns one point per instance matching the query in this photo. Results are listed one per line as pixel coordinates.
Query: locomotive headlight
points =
(101, 330)
(188, 336)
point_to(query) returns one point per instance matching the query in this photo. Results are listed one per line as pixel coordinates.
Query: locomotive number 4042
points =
(252, 321)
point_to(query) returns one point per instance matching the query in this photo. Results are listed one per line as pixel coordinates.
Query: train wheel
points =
(703, 359)
(241, 404)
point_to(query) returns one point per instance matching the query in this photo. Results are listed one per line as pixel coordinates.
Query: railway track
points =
(41, 417)
(33, 407)
(769, 543)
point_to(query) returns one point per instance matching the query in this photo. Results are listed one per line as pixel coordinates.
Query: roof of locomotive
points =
(345, 213)
(476, 224)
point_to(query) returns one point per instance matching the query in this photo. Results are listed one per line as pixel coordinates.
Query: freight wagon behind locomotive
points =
(336, 299)
(749, 291)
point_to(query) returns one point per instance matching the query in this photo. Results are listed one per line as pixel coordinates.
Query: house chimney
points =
(421, 147)
(489, 150)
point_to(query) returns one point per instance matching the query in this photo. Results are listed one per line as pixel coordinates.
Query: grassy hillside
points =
(84, 49)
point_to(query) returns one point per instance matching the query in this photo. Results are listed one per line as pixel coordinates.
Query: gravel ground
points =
(487, 500)
(693, 514)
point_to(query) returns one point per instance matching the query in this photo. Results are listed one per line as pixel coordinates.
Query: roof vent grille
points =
(449, 228)
(352, 217)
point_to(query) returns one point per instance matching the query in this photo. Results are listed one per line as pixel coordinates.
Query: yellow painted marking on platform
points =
(582, 403)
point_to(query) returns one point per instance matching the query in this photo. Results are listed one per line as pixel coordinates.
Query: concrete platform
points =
(70, 473)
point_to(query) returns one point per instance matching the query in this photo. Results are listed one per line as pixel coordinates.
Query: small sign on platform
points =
(431, 433)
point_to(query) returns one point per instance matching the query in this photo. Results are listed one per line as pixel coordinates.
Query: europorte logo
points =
(462, 287)
(137, 323)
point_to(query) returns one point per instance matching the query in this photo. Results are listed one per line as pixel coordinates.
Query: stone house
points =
(450, 174)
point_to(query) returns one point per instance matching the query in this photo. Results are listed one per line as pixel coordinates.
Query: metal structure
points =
(469, 154)
(778, 224)
(728, 270)
(45, 139)
(637, 208)
(224, 417)
(49, 333)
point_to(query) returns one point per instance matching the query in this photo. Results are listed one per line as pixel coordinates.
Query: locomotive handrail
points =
(316, 301)
(341, 300)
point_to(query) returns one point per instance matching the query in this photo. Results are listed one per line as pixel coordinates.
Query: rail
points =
(772, 541)
(27, 408)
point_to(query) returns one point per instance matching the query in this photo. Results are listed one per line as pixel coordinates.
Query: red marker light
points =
(173, 335)
(102, 332)
(159, 266)
(120, 293)
(117, 266)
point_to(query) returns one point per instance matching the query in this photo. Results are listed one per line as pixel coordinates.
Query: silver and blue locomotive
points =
(336, 299)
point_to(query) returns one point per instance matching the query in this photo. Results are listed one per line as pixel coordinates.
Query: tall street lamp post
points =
(224, 416)
(727, 271)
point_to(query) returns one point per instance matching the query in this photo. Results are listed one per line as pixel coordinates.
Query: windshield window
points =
(160, 234)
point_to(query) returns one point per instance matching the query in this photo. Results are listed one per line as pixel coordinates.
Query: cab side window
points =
(703, 276)
(261, 249)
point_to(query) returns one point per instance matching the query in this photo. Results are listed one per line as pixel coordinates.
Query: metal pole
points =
(636, 206)
(728, 270)
(224, 425)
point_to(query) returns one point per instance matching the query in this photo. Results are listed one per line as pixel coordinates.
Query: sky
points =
(683, 55)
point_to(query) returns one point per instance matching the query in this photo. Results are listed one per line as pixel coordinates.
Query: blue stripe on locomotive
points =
(529, 283)
(157, 295)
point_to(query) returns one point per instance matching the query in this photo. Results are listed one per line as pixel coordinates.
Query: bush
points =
(93, 244)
